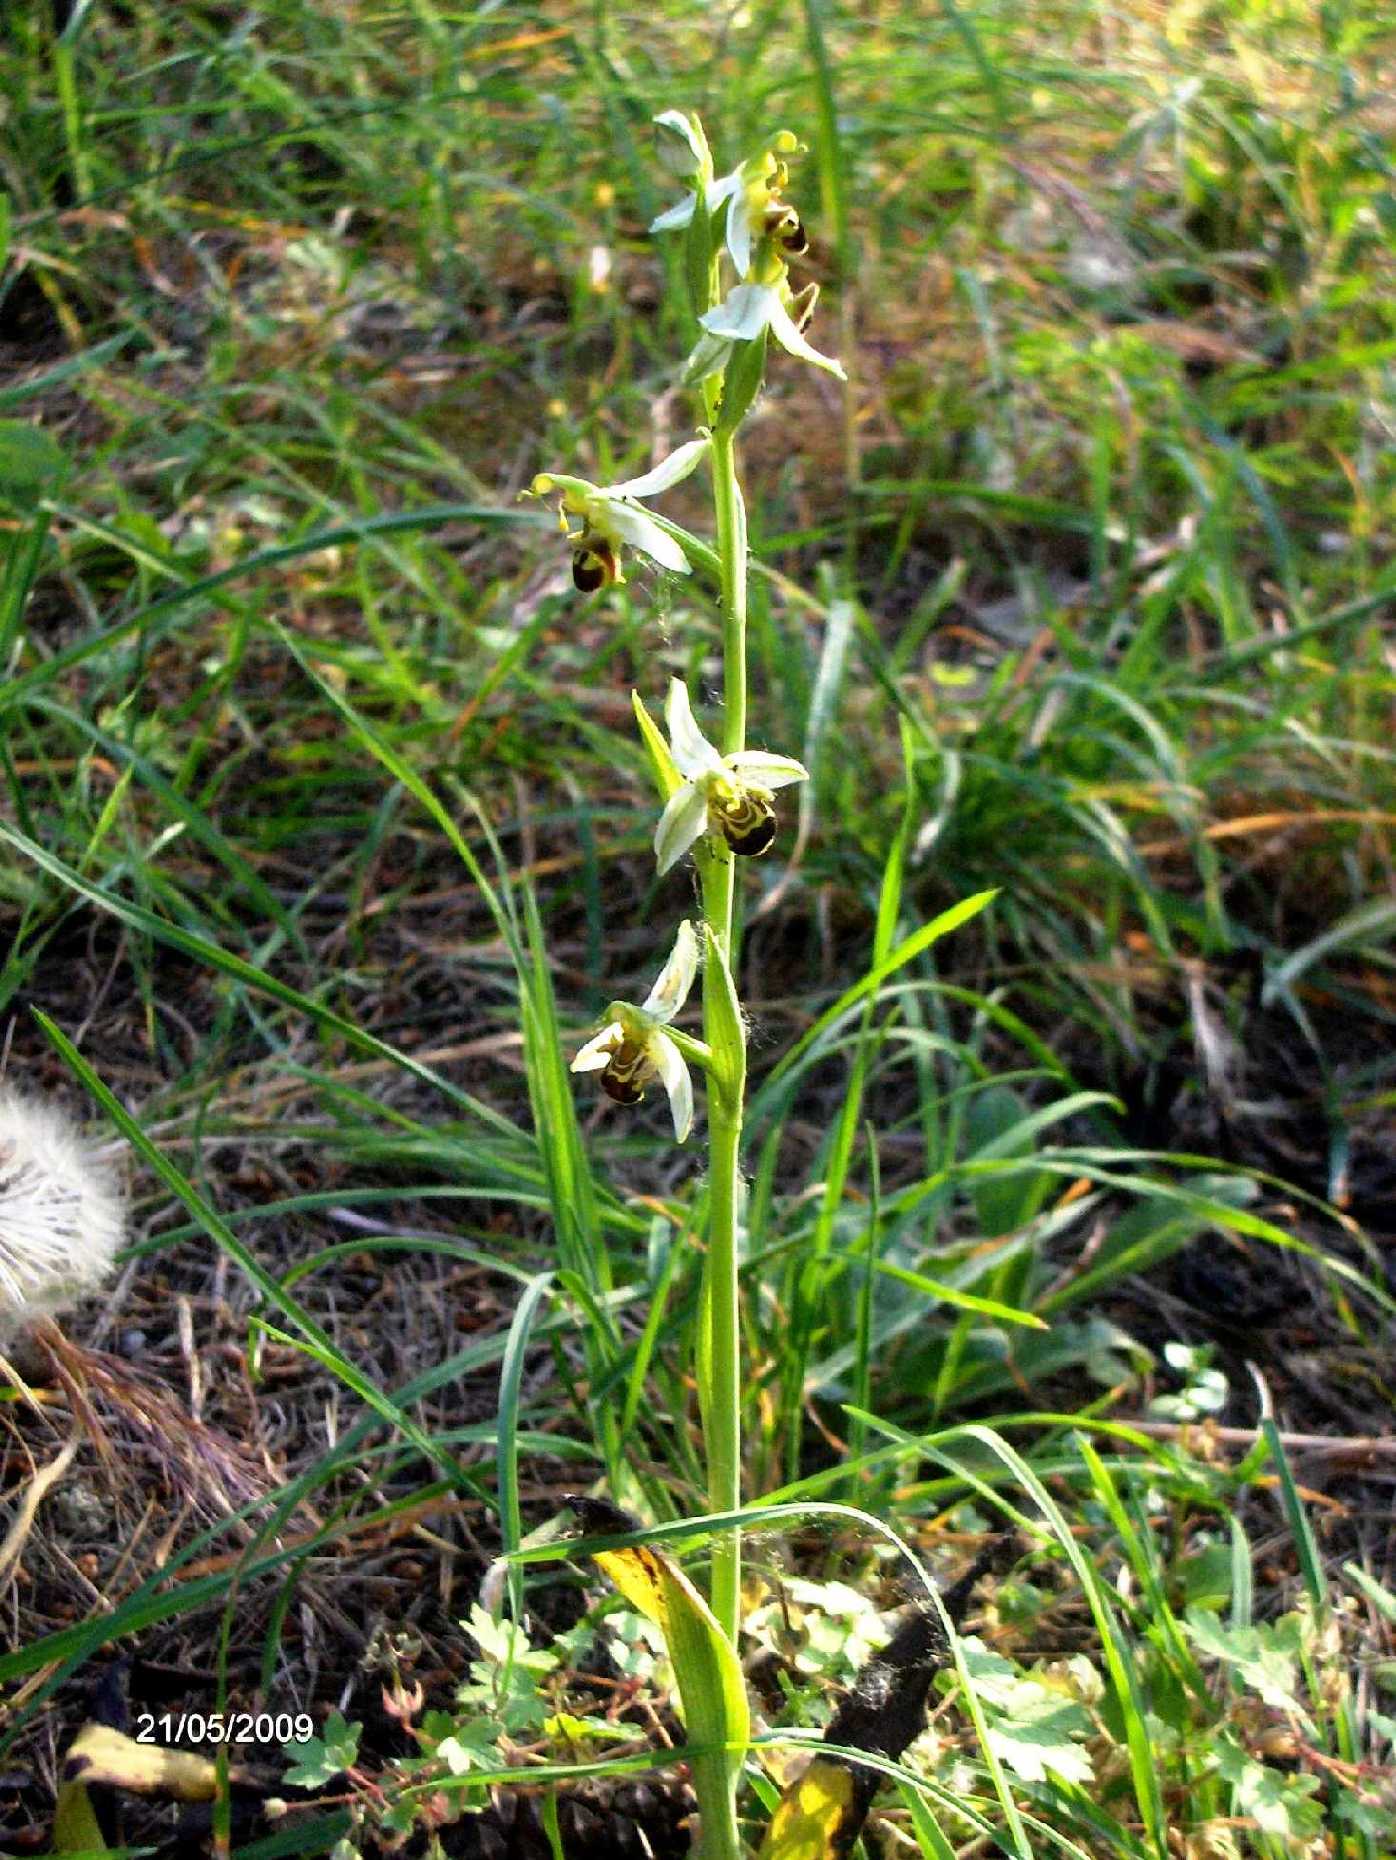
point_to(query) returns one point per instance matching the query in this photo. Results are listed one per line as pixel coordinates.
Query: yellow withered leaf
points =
(816, 1818)
(100, 1755)
(646, 1580)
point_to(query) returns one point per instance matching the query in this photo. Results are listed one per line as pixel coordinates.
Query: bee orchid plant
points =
(717, 796)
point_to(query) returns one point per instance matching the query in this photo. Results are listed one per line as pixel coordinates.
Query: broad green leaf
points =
(317, 1759)
(32, 465)
(1280, 1805)
(1032, 1729)
(1002, 1203)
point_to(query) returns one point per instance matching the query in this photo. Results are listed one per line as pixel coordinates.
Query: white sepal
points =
(680, 144)
(743, 314)
(680, 462)
(674, 217)
(676, 978)
(681, 214)
(693, 753)
(682, 823)
(674, 1075)
(782, 327)
(633, 526)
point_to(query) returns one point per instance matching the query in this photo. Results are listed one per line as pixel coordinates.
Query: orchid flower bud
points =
(680, 146)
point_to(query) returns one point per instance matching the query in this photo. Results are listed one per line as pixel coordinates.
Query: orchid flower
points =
(727, 187)
(729, 796)
(749, 309)
(633, 1048)
(752, 192)
(611, 517)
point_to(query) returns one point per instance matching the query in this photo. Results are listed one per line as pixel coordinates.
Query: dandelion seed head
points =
(62, 1215)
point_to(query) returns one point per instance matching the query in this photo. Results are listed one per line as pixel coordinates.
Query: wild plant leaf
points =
(1264, 1656)
(1280, 1805)
(1372, 923)
(32, 465)
(87, 359)
(504, 1682)
(1205, 1579)
(316, 1760)
(76, 1829)
(1368, 1814)
(994, 1126)
(1381, 1598)
(711, 1688)
(1032, 1728)
(1035, 1742)
(471, 1746)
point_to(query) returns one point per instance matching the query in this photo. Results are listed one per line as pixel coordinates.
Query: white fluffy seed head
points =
(62, 1215)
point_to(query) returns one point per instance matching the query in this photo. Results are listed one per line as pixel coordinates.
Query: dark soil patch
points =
(30, 330)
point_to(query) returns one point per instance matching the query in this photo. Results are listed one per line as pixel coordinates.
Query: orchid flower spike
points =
(611, 517)
(752, 195)
(632, 1049)
(728, 796)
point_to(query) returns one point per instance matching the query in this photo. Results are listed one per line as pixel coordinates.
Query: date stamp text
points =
(224, 1727)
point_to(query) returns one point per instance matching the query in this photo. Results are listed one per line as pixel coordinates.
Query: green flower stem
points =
(721, 1327)
(722, 1410)
(731, 548)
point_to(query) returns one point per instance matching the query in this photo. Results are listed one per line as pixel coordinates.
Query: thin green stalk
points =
(66, 83)
(724, 1412)
(721, 1326)
(867, 1285)
(833, 195)
(731, 548)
